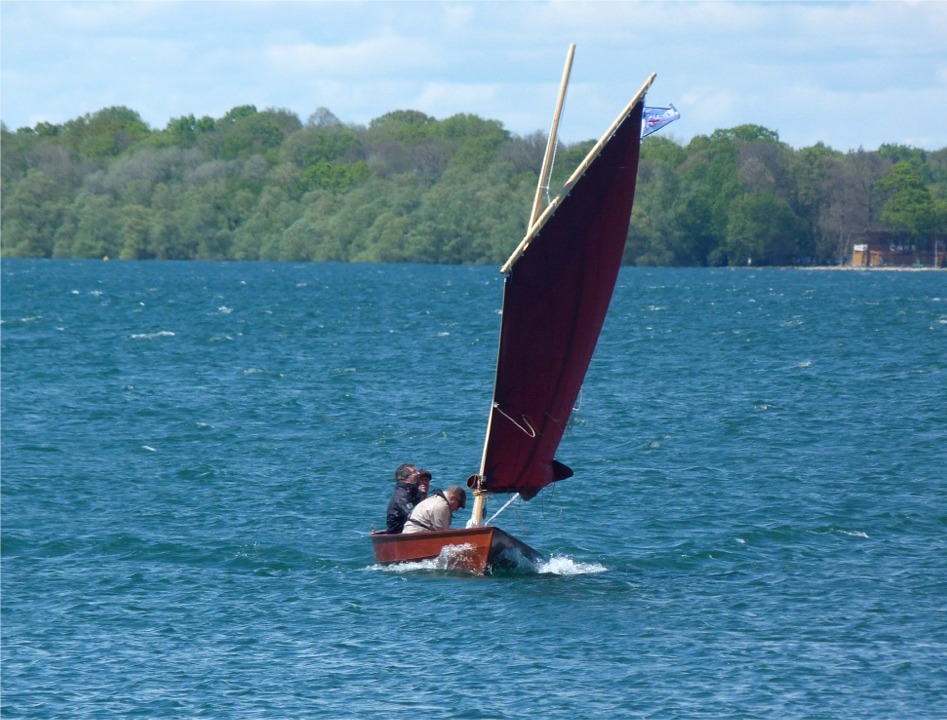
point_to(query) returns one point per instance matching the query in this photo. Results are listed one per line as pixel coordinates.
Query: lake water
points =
(194, 453)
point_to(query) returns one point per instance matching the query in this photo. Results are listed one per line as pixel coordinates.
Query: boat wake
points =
(455, 557)
(555, 565)
(564, 565)
(452, 557)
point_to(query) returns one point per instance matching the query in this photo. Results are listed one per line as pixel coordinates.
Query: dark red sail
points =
(555, 299)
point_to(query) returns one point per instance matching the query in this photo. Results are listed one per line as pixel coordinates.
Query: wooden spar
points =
(593, 153)
(477, 512)
(543, 184)
(480, 495)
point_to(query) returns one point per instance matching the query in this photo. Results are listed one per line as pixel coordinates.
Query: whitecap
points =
(564, 565)
(151, 336)
(854, 533)
(224, 310)
(148, 448)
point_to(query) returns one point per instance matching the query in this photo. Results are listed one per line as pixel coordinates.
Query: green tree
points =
(322, 143)
(409, 187)
(476, 141)
(135, 233)
(244, 132)
(709, 185)
(185, 130)
(98, 228)
(812, 169)
(260, 235)
(762, 230)
(406, 126)
(909, 207)
(32, 213)
(336, 177)
(654, 238)
(106, 133)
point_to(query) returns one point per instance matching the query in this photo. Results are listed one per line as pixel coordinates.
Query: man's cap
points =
(458, 492)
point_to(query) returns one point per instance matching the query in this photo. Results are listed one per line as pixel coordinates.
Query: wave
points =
(452, 556)
(151, 336)
(564, 565)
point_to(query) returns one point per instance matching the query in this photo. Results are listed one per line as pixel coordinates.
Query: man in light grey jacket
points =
(437, 511)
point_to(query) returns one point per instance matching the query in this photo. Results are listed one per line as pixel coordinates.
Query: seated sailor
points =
(437, 511)
(410, 488)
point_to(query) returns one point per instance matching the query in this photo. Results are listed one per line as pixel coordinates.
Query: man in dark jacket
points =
(407, 494)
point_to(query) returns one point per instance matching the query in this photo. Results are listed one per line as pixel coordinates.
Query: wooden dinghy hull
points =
(474, 549)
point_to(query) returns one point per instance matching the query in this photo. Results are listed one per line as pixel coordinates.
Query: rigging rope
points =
(528, 430)
(505, 506)
(552, 165)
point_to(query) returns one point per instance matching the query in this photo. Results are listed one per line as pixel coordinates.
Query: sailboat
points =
(557, 289)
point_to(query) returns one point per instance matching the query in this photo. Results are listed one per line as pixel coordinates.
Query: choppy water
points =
(192, 455)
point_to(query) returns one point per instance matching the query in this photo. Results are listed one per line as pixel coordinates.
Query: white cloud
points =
(382, 55)
(454, 98)
(829, 71)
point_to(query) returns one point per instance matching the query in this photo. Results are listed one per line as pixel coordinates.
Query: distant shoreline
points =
(866, 269)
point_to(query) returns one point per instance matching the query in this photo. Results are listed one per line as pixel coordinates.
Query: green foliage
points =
(98, 228)
(31, 215)
(184, 131)
(261, 185)
(407, 126)
(761, 229)
(106, 133)
(654, 238)
(333, 176)
(910, 207)
(245, 132)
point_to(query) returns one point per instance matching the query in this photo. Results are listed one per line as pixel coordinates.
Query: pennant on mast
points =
(656, 118)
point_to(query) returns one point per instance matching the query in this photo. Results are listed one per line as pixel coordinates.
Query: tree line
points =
(263, 185)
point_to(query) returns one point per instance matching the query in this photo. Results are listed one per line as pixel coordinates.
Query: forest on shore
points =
(264, 185)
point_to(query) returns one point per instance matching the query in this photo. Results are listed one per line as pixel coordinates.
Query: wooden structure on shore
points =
(880, 248)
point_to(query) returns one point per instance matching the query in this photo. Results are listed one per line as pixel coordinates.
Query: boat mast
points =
(542, 187)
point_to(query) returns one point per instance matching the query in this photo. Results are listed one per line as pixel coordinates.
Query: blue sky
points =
(849, 74)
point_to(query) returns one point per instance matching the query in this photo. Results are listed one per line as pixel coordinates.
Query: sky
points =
(848, 74)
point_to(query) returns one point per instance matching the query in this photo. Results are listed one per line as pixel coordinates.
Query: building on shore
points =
(881, 248)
